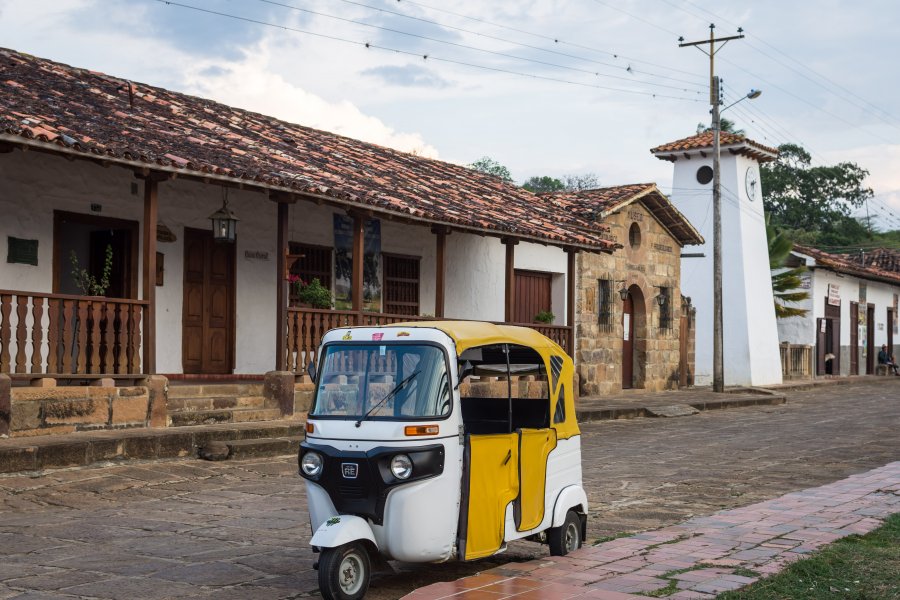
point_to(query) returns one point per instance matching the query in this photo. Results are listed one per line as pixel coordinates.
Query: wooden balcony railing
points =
(56, 334)
(796, 361)
(307, 326)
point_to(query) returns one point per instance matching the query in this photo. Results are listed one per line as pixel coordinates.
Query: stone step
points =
(86, 447)
(215, 403)
(215, 390)
(263, 447)
(183, 418)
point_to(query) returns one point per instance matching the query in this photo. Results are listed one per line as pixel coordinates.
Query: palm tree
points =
(785, 281)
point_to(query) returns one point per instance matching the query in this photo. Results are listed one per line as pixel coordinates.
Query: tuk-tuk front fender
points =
(340, 530)
(570, 497)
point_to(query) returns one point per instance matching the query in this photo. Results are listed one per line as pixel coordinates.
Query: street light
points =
(718, 358)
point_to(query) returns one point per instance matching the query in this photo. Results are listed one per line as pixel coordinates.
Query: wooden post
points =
(148, 282)
(571, 291)
(510, 279)
(441, 234)
(281, 286)
(359, 230)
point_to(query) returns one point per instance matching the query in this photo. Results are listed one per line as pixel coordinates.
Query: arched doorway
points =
(633, 336)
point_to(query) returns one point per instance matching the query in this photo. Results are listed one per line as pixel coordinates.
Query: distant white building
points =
(750, 333)
(852, 311)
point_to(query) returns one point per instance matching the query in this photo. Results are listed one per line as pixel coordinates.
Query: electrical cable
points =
(468, 47)
(628, 69)
(370, 45)
(553, 39)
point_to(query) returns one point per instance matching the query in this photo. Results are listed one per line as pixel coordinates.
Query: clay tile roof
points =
(736, 144)
(849, 264)
(599, 203)
(64, 109)
(886, 259)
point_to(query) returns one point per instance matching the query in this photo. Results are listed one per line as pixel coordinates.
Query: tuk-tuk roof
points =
(471, 334)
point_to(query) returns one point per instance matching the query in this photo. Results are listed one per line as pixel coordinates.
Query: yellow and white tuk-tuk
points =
(397, 463)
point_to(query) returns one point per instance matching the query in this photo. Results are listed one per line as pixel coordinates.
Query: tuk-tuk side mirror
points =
(311, 371)
(465, 371)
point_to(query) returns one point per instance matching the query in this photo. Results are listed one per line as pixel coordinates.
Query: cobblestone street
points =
(186, 528)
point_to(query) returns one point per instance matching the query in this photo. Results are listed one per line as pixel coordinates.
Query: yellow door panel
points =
(535, 446)
(493, 483)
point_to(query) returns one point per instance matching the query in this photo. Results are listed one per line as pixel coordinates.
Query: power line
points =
(553, 39)
(799, 72)
(628, 69)
(370, 45)
(810, 69)
(466, 46)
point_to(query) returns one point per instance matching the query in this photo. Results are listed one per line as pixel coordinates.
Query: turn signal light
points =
(422, 429)
(310, 428)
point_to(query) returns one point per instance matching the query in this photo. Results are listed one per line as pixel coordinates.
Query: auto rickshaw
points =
(399, 466)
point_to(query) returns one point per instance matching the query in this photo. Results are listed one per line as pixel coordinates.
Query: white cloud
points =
(251, 85)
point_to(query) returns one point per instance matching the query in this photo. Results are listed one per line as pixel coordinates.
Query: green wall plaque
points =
(21, 251)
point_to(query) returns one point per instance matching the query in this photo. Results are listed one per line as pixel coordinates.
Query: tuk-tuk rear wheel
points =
(344, 572)
(567, 537)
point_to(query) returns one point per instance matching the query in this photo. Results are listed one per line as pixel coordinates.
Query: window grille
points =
(605, 305)
(401, 284)
(665, 310)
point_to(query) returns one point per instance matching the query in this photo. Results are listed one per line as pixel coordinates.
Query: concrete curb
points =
(588, 415)
(84, 448)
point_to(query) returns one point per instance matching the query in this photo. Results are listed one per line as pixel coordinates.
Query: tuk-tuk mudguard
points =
(568, 498)
(342, 529)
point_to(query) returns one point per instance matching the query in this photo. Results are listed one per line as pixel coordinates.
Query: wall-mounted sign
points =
(256, 255)
(834, 294)
(881, 327)
(626, 324)
(805, 282)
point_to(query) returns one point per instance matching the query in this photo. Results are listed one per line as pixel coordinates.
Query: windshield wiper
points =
(387, 397)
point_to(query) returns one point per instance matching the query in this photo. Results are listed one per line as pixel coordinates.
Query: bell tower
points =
(750, 334)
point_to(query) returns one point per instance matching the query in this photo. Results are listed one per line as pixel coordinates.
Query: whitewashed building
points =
(750, 333)
(90, 162)
(852, 312)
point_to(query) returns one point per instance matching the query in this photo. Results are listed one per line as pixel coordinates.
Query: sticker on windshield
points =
(376, 337)
(402, 334)
(347, 336)
(382, 350)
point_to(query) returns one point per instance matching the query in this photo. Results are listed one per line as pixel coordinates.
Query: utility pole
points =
(715, 99)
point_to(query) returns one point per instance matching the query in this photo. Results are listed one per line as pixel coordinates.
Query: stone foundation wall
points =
(59, 410)
(643, 267)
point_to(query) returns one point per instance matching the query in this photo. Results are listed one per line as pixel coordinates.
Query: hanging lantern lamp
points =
(224, 222)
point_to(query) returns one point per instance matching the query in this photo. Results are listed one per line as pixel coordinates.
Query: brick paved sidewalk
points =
(700, 557)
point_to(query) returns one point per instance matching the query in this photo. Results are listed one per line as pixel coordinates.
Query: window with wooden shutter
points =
(605, 304)
(401, 284)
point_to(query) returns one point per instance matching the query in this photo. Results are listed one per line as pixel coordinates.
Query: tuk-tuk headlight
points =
(311, 464)
(401, 466)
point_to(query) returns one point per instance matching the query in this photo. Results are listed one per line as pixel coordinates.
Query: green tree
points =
(785, 281)
(577, 183)
(799, 196)
(489, 166)
(543, 185)
(726, 125)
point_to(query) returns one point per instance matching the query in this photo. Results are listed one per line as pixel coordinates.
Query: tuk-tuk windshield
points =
(391, 381)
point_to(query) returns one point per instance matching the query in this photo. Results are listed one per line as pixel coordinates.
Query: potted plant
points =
(87, 283)
(315, 295)
(545, 316)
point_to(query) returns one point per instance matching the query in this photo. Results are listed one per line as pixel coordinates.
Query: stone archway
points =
(634, 338)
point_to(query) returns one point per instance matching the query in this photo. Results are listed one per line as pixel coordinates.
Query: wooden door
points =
(890, 330)
(854, 338)
(208, 312)
(533, 289)
(820, 346)
(627, 344)
(870, 340)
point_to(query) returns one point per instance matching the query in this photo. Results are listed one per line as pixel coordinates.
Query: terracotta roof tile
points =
(886, 259)
(726, 139)
(597, 204)
(851, 265)
(113, 119)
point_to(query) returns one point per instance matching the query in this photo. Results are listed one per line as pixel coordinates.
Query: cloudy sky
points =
(546, 87)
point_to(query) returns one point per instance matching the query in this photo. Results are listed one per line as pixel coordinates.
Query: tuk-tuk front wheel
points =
(567, 537)
(344, 572)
